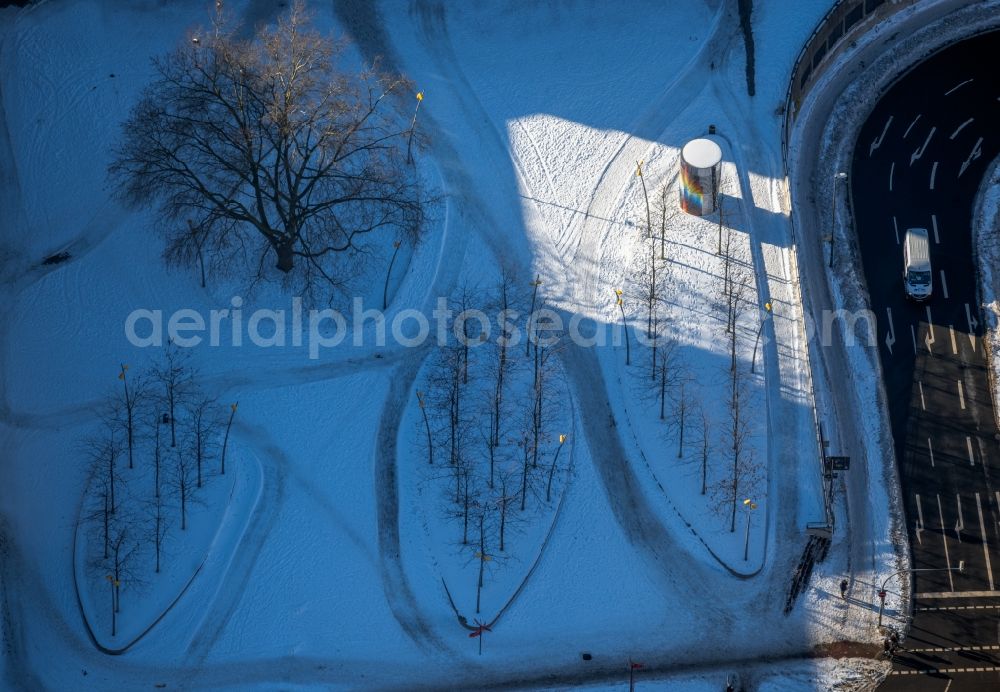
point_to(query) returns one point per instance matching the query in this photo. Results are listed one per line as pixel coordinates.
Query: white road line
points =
(973, 323)
(958, 594)
(960, 522)
(890, 337)
(920, 522)
(892, 169)
(929, 339)
(970, 320)
(876, 143)
(911, 126)
(913, 335)
(972, 457)
(933, 173)
(954, 344)
(973, 155)
(930, 450)
(961, 396)
(986, 549)
(923, 402)
(957, 87)
(960, 128)
(917, 153)
(895, 229)
(944, 539)
(944, 284)
(937, 239)
(980, 647)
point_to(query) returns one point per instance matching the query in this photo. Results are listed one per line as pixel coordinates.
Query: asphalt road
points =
(918, 162)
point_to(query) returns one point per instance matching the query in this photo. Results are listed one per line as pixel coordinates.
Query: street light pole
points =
(749, 505)
(881, 592)
(753, 361)
(833, 217)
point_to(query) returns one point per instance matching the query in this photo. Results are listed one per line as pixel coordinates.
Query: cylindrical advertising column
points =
(701, 165)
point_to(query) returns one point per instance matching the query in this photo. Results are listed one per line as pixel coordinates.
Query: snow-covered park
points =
(354, 539)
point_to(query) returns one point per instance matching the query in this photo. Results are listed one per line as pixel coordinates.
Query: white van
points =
(917, 276)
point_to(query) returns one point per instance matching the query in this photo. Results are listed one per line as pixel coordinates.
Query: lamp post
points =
(833, 217)
(621, 306)
(881, 592)
(753, 361)
(749, 505)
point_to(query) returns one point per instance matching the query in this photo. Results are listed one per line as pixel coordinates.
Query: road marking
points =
(970, 320)
(917, 153)
(944, 539)
(945, 671)
(954, 344)
(960, 128)
(892, 169)
(973, 323)
(957, 87)
(937, 672)
(913, 335)
(914, 123)
(937, 239)
(972, 457)
(930, 450)
(923, 402)
(933, 173)
(895, 229)
(876, 143)
(890, 337)
(920, 516)
(983, 647)
(960, 522)
(973, 155)
(959, 594)
(944, 284)
(961, 396)
(929, 339)
(986, 549)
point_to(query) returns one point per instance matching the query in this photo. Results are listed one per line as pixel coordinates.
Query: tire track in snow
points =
(634, 514)
(672, 100)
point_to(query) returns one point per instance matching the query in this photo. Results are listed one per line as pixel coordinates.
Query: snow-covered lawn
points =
(328, 567)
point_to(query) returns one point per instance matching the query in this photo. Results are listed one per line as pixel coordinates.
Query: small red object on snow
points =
(480, 628)
(636, 665)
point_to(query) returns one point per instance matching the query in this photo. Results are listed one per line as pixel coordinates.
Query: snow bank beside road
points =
(986, 241)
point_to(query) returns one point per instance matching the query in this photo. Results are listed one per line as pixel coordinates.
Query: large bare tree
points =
(268, 144)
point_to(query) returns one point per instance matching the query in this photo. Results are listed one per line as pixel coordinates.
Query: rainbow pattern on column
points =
(692, 193)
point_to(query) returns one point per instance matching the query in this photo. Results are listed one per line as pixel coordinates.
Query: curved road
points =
(918, 162)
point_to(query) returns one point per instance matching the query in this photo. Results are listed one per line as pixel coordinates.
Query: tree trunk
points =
(286, 258)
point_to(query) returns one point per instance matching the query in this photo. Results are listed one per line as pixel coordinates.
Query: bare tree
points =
(125, 407)
(158, 527)
(744, 473)
(102, 451)
(205, 423)
(269, 144)
(704, 440)
(175, 379)
(225, 440)
(503, 500)
(182, 479)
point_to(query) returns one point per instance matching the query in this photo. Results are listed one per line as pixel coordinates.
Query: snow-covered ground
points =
(986, 230)
(537, 117)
